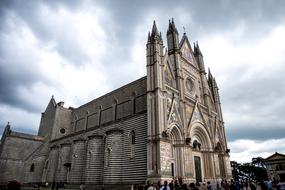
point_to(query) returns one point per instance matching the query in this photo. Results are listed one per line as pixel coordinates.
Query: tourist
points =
(150, 187)
(165, 186)
(193, 187)
(81, 186)
(158, 185)
(209, 186)
(177, 185)
(171, 185)
(147, 185)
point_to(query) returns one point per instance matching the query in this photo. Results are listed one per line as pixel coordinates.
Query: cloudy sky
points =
(79, 50)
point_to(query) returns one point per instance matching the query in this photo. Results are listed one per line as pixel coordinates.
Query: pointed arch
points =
(175, 134)
(201, 135)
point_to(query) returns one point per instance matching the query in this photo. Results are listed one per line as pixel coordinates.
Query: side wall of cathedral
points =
(104, 143)
(14, 147)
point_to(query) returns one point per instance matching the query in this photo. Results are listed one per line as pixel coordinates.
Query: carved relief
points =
(174, 116)
(186, 53)
(197, 116)
(189, 111)
(169, 74)
(168, 105)
(165, 158)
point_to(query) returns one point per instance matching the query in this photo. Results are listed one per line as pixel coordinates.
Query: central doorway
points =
(198, 172)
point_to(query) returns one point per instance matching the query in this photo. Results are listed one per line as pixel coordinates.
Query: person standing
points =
(151, 187)
(209, 186)
(165, 186)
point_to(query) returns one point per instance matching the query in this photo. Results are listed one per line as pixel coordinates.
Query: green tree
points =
(254, 170)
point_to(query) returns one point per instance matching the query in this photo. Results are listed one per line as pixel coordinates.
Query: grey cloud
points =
(255, 107)
(201, 17)
(255, 132)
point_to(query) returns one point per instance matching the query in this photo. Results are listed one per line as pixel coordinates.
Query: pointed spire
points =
(215, 83)
(154, 30)
(197, 50)
(172, 37)
(154, 35)
(148, 37)
(171, 27)
(210, 76)
(160, 37)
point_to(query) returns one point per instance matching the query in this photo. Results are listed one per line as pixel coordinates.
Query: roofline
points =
(109, 93)
(276, 153)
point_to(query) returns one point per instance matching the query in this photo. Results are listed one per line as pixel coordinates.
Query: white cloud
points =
(243, 150)
(19, 118)
(249, 76)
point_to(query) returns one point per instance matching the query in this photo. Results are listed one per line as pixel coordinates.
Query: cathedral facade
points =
(166, 125)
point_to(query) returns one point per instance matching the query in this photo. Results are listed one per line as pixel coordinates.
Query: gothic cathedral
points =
(165, 125)
(186, 135)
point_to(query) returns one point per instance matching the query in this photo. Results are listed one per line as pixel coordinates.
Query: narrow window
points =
(32, 168)
(133, 137)
(108, 157)
(132, 144)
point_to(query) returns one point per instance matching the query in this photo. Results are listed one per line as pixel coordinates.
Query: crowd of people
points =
(220, 185)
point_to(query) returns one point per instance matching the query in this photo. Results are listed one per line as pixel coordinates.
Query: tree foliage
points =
(254, 170)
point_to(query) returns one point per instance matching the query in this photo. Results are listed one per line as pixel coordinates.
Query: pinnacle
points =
(154, 29)
(171, 27)
(154, 35)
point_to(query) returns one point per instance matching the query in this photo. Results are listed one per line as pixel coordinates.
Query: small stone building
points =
(275, 166)
(165, 125)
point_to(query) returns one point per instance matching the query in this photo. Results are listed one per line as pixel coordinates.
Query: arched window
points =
(133, 137)
(108, 156)
(32, 168)
(132, 144)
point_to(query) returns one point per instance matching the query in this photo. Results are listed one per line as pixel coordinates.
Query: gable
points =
(276, 156)
(51, 105)
(197, 116)
(186, 52)
(174, 115)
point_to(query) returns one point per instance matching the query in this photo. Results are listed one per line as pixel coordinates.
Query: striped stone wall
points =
(135, 155)
(113, 158)
(52, 164)
(106, 155)
(95, 159)
(63, 162)
(78, 161)
(34, 175)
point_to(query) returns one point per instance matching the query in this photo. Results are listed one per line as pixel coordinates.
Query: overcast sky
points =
(79, 50)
